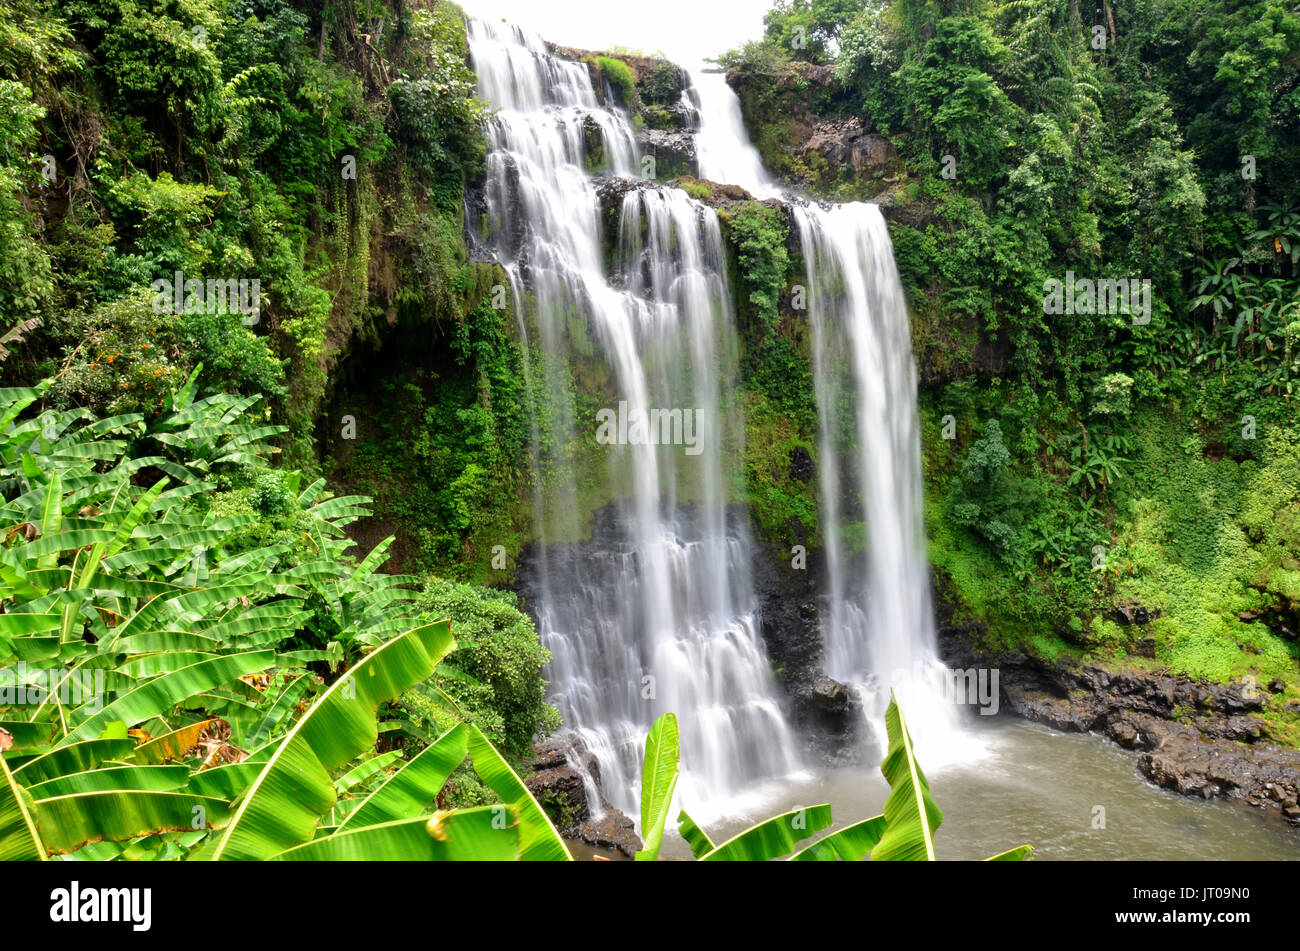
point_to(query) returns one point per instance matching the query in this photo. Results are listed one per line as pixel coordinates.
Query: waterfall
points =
(724, 152)
(879, 630)
(655, 610)
(879, 624)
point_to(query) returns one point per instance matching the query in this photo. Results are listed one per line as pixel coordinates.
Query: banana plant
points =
(658, 781)
(109, 789)
(905, 831)
(99, 580)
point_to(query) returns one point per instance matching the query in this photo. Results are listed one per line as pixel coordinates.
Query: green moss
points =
(783, 508)
(621, 79)
(443, 446)
(562, 811)
(695, 188)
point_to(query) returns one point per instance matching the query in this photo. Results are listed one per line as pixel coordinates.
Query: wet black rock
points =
(673, 153)
(824, 715)
(560, 767)
(1126, 614)
(802, 466)
(830, 696)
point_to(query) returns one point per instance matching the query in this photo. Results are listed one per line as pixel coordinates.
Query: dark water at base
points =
(1039, 786)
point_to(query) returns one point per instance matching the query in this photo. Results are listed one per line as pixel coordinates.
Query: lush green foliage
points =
(1096, 459)
(620, 76)
(264, 140)
(173, 600)
(494, 675)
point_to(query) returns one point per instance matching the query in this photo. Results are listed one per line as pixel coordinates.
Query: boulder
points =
(1127, 614)
(830, 696)
(1196, 737)
(673, 152)
(562, 766)
(613, 830)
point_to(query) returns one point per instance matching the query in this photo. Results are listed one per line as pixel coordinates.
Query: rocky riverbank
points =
(1195, 737)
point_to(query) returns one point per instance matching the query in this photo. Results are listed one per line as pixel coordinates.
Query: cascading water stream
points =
(879, 627)
(655, 611)
(722, 149)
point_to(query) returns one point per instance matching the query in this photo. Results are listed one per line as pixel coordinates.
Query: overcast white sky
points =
(686, 31)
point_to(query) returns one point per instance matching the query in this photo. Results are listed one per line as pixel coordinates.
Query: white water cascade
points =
(722, 148)
(655, 611)
(879, 624)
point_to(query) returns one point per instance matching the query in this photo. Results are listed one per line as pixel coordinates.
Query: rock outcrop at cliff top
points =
(809, 135)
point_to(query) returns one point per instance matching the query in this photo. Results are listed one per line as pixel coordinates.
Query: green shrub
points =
(663, 87)
(496, 667)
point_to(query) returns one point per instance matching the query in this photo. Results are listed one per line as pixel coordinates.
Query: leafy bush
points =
(495, 674)
(129, 357)
(663, 86)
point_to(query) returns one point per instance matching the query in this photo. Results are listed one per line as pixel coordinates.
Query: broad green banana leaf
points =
(68, 822)
(911, 816)
(142, 778)
(850, 844)
(772, 838)
(364, 770)
(19, 837)
(160, 695)
(281, 710)
(483, 834)
(22, 625)
(538, 839)
(146, 666)
(659, 773)
(27, 735)
(408, 792)
(225, 782)
(74, 758)
(699, 841)
(1020, 853)
(295, 789)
